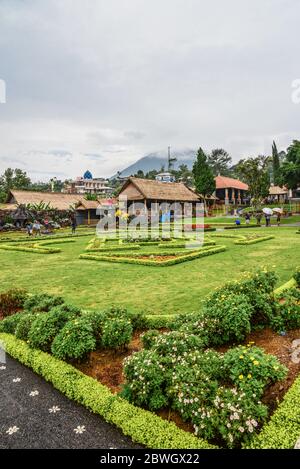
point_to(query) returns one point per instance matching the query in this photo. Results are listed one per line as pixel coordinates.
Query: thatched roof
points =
(277, 190)
(223, 182)
(156, 190)
(56, 200)
(88, 205)
(8, 207)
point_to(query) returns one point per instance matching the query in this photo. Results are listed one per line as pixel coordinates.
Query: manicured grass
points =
(174, 289)
(231, 220)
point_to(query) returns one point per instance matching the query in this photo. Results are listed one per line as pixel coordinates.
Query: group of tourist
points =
(259, 215)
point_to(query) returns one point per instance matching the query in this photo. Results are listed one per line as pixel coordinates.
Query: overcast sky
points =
(97, 84)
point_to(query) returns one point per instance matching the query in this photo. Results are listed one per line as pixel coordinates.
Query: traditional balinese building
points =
(279, 194)
(89, 212)
(145, 195)
(230, 191)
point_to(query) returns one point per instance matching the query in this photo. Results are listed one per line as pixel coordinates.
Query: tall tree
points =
(290, 168)
(254, 172)
(219, 161)
(276, 165)
(13, 179)
(203, 176)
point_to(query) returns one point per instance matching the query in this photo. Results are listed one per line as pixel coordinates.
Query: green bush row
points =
(36, 250)
(132, 260)
(183, 245)
(133, 247)
(142, 426)
(41, 238)
(254, 240)
(283, 429)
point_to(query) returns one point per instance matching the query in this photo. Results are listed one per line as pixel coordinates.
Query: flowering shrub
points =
(231, 416)
(148, 338)
(11, 302)
(74, 341)
(116, 333)
(250, 368)
(288, 311)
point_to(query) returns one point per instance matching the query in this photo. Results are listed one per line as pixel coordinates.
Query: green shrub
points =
(24, 325)
(75, 340)
(10, 323)
(46, 326)
(116, 333)
(148, 338)
(11, 302)
(228, 319)
(231, 416)
(296, 276)
(288, 311)
(42, 302)
(251, 369)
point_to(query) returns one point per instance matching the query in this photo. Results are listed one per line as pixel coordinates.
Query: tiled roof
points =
(223, 182)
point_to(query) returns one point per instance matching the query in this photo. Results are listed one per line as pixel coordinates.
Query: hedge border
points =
(184, 244)
(141, 425)
(34, 250)
(283, 429)
(253, 241)
(43, 238)
(178, 260)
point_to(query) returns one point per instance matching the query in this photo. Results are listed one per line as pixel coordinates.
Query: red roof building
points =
(230, 191)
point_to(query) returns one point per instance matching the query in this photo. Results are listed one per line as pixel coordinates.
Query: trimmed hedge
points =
(286, 286)
(184, 244)
(142, 426)
(254, 240)
(239, 227)
(283, 429)
(36, 250)
(169, 262)
(134, 247)
(41, 238)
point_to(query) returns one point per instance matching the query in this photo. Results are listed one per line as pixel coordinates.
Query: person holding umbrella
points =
(278, 212)
(268, 212)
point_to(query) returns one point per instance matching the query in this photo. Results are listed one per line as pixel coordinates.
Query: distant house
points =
(149, 194)
(88, 185)
(165, 177)
(230, 191)
(278, 194)
(89, 212)
(56, 200)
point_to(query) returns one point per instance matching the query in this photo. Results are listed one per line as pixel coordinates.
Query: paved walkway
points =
(35, 415)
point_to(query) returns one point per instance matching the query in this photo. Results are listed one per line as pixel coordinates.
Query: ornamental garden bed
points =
(155, 258)
(205, 369)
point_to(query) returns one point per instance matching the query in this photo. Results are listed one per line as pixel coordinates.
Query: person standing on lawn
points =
(278, 218)
(73, 225)
(36, 228)
(258, 218)
(268, 219)
(247, 218)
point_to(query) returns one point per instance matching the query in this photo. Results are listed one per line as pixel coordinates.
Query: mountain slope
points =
(158, 160)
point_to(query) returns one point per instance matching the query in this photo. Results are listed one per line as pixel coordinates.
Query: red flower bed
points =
(195, 226)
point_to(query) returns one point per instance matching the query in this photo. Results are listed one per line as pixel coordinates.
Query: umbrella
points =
(268, 211)
(277, 210)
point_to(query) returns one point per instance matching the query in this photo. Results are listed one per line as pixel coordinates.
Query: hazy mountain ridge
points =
(157, 160)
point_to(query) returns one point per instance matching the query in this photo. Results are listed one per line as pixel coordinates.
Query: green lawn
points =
(164, 290)
(231, 220)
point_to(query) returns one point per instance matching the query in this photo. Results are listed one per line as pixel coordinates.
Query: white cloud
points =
(122, 78)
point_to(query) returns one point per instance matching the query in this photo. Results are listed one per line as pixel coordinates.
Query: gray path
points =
(35, 415)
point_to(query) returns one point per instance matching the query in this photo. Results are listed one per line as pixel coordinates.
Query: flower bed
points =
(253, 240)
(149, 258)
(142, 426)
(37, 247)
